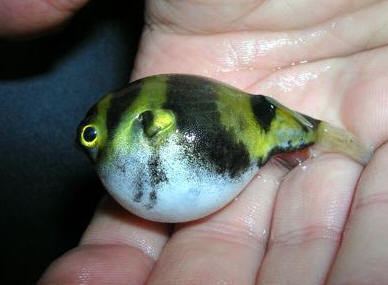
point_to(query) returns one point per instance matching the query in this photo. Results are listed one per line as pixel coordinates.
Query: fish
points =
(175, 147)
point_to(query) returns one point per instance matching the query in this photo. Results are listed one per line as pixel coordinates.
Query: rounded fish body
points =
(175, 148)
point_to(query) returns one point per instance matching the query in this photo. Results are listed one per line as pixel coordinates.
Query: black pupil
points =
(90, 134)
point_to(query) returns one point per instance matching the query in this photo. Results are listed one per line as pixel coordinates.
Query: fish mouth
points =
(90, 153)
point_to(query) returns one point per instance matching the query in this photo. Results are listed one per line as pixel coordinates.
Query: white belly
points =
(182, 191)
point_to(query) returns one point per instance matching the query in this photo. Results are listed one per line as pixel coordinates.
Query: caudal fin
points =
(333, 139)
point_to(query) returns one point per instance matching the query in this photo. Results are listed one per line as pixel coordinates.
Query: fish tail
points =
(333, 139)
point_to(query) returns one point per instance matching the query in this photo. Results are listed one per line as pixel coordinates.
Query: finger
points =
(309, 215)
(117, 248)
(350, 92)
(207, 251)
(363, 256)
(22, 17)
(239, 16)
(253, 54)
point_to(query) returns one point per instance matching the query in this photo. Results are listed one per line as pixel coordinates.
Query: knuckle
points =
(306, 235)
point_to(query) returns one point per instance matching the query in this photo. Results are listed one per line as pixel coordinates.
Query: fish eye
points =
(89, 136)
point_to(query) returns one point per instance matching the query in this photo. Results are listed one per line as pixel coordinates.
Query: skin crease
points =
(322, 222)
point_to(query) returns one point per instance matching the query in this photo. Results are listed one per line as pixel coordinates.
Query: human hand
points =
(30, 17)
(324, 221)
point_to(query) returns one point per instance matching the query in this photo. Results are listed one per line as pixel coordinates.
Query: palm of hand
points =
(284, 228)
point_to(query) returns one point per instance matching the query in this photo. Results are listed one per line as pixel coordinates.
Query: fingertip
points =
(117, 248)
(99, 264)
(112, 224)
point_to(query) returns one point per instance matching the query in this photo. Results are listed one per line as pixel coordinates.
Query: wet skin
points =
(292, 230)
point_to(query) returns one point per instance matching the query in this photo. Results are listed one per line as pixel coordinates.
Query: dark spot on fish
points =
(138, 195)
(156, 172)
(152, 200)
(153, 196)
(121, 167)
(263, 110)
(138, 187)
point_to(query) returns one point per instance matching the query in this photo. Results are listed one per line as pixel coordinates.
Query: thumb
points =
(27, 17)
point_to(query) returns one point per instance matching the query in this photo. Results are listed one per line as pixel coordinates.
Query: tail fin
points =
(330, 138)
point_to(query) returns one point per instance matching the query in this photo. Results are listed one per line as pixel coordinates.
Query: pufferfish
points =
(175, 148)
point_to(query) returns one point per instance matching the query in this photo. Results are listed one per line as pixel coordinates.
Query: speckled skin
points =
(173, 189)
(174, 148)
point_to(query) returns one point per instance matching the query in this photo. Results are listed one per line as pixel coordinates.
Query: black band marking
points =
(120, 102)
(156, 171)
(193, 99)
(157, 175)
(263, 110)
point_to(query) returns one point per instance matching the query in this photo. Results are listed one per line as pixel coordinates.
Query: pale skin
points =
(324, 221)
